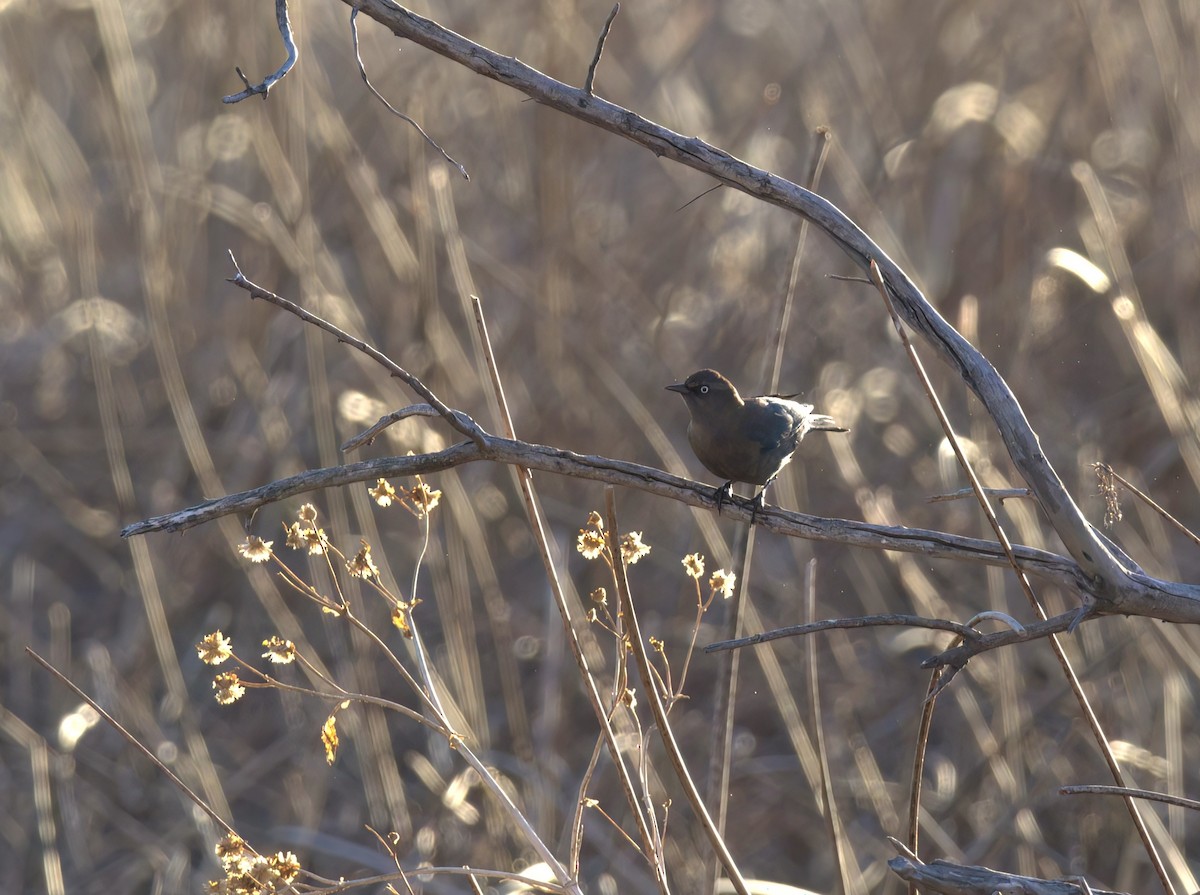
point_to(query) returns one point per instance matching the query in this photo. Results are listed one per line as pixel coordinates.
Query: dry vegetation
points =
(979, 143)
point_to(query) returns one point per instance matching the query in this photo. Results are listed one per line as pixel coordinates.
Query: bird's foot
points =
(756, 504)
(722, 494)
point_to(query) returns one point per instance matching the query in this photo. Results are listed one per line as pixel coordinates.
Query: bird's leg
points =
(722, 494)
(756, 503)
(759, 499)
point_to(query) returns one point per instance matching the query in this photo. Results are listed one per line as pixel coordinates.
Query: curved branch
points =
(1111, 582)
(289, 44)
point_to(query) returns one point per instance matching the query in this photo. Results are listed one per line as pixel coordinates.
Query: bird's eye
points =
(704, 389)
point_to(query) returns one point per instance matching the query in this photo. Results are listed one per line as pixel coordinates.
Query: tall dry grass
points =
(975, 142)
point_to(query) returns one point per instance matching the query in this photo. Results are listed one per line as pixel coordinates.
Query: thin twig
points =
(832, 821)
(955, 444)
(581, 806)
(1001, 494)
(866, 621)
(920, 750)
(289, 44)
(136, 743)
(591, 72)
(459, 421)
(362, 70)
(1149, 794)
(389, 419)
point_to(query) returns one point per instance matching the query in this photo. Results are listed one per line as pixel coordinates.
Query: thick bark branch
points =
(1118, 587)
(957, 879)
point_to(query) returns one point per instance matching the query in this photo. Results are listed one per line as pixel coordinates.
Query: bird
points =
(744, 439)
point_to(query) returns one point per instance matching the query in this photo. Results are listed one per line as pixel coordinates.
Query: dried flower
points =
(383, 493)
(401, 616)
(280, 651)
(214, 648)
(722, 582)
(229, 688)
(255, 549)
(308, 514)
(295, 536)
(590, 543)
(694, 563)
(229, 849)
(424, 498)
(286, 865)
(329, 737)
(633, 548)
(315, 540)
(361, 565)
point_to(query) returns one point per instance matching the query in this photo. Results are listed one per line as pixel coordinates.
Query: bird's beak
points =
(677, 387)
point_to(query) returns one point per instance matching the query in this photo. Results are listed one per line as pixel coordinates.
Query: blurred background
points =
(1035, 167)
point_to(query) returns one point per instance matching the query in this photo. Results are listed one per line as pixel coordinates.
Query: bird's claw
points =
(725, 493)
(756, 504)
(722, 494)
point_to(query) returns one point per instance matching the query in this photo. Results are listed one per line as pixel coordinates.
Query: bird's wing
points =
(771, 421)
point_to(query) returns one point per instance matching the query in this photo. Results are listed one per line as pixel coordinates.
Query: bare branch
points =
(362, 70)
(137, 744)
(459, 421)
(1113, 582)
(882, 620)
(1149, 794)
(1001, 494)
(289, 44)
(960, 879)
(388, 419)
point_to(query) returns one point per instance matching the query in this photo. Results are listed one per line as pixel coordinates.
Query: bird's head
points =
(707, 390)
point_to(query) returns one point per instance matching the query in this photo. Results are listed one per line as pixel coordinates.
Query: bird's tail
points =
(818, 422)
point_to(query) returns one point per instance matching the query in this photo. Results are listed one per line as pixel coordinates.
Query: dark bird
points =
(744, 439)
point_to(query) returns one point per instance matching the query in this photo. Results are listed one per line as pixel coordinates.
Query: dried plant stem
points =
(649, 845)
(642, 660)
(1150, 502)
(137, 744)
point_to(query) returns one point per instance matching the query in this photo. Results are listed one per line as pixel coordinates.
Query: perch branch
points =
(543, 458)
(1060, 570)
